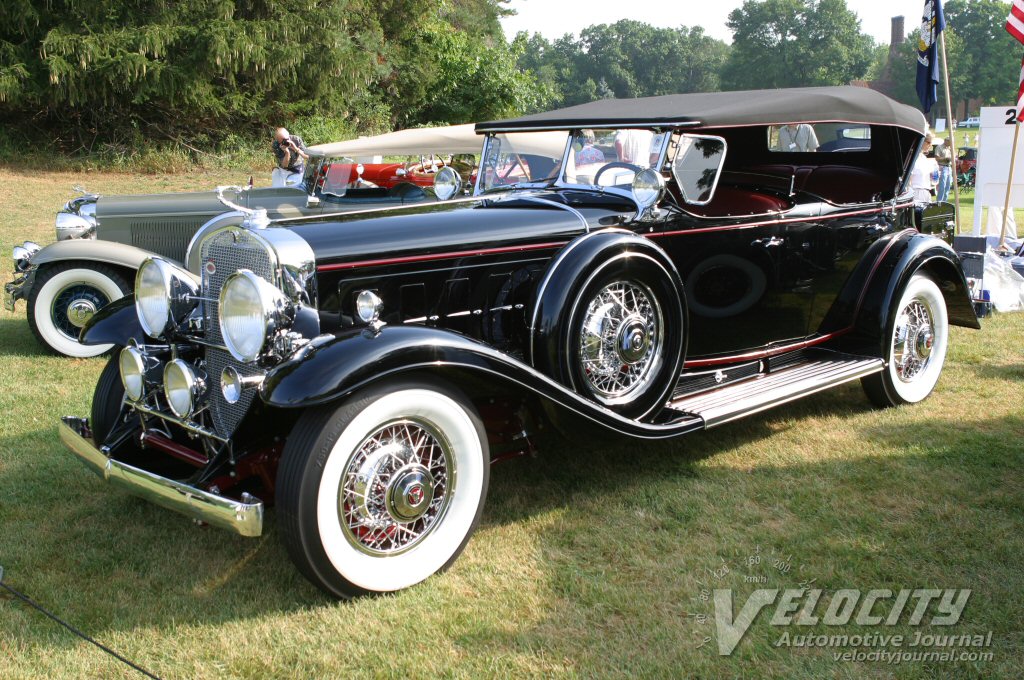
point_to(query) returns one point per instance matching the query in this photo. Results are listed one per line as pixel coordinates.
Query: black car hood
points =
(520, 218)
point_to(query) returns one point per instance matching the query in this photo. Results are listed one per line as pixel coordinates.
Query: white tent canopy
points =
(450, 139)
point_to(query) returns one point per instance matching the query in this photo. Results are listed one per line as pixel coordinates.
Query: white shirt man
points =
(797, 137)
(634, 146)
(924, 176)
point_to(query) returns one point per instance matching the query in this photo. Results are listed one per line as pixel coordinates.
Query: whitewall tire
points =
(380, 493)
(916, 343)
(64, 297)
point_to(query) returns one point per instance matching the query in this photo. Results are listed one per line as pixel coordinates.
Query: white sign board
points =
(995, 142)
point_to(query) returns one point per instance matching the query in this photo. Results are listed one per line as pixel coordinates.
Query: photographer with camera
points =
(291, 154)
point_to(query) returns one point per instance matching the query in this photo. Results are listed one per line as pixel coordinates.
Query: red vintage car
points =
(418, 150)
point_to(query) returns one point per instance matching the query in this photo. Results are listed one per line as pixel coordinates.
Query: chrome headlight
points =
(251, 310)
(133, 373)
(70, 225)
(164, 295)
(183, 387)
(447, 183)
(648, 188)
(22, 255)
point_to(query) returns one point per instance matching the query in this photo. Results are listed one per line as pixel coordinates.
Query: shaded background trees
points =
(203, 73)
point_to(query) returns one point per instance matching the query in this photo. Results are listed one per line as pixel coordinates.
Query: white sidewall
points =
(384, 574)
(44, 302)
(916, 390)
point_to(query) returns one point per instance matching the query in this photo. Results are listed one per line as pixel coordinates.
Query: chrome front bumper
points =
(244, 518)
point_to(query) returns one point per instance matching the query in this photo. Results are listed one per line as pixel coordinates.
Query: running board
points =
(740, 399)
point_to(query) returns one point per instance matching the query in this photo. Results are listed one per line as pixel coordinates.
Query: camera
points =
(286, 142)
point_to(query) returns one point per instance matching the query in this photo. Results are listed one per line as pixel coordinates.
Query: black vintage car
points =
(659, 270)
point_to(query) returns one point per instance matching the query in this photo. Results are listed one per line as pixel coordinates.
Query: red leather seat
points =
(733, 201)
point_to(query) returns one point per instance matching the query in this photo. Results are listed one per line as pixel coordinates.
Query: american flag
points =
(1015, 27)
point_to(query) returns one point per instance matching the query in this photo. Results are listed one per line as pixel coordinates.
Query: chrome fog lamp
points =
(183, 387)
(251, 310)
(71, 226)
(447, 183)
(164, 295)
(369, 306)
(233, 383)
(133, 373)
(648, 188)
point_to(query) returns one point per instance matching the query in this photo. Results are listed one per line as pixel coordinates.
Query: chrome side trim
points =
(242, 517)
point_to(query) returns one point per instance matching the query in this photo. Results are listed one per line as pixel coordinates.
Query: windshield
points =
(611, 158)
(515, 159)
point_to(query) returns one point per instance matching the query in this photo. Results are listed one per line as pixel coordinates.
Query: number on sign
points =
(1012, 116)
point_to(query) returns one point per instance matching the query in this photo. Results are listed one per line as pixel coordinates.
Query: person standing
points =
(944, 157)
(925, 174)
(291, 155)
(797, 137)
(634, 146)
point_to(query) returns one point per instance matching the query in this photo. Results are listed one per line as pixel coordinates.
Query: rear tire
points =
(382, 492)
(917, 339)
(64, 297)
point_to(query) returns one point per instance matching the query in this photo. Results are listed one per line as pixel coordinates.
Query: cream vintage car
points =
(102, 240)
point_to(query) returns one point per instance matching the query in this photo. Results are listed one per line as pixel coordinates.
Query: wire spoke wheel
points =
(396, 487)
(913, 340)
(74, 306)
(621, 339)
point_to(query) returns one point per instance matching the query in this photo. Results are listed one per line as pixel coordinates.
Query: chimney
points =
(898, 35)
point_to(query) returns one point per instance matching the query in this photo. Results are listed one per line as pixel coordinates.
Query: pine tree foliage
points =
(173, 68)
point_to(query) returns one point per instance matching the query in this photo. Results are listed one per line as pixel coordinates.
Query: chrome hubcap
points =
(80, 311)
(913, 340)
(620, 340)
(396, 488)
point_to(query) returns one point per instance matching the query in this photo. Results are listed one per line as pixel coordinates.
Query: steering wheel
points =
(614, 165)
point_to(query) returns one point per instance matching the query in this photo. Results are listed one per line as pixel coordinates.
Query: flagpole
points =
(1009, 185)
(952, 134)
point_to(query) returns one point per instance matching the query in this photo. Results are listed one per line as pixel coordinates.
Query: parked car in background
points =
(640, 269)
(972, 122)
(102, 240)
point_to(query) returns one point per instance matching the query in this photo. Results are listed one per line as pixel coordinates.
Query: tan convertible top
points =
(450, 139)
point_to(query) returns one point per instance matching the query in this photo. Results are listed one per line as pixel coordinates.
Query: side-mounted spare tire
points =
(609, 322)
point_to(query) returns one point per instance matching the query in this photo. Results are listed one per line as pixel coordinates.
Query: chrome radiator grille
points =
(222, 255)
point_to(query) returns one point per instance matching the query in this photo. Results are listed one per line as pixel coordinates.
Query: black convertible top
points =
(726, 109)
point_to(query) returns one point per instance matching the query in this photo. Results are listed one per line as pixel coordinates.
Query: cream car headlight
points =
(251, 310)
(164, 295)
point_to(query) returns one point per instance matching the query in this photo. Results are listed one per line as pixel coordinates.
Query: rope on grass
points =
(30, 602)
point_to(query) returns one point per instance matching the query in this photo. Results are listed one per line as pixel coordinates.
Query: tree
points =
(991, 57)
(204, 69)
(795, 43)
(625, 59)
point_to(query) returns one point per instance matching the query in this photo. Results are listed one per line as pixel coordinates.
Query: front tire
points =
(918, 336)
(382, 492)
(64, 298)
(107, 401)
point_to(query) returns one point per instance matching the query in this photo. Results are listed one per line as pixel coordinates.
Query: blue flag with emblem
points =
(933, 22)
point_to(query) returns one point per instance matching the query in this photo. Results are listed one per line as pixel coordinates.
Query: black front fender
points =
(333, 367)
(115, 323)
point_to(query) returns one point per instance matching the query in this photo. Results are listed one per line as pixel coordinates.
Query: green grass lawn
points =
(592, 559)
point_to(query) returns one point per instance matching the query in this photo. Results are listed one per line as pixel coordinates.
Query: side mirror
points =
(447, 183)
